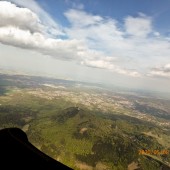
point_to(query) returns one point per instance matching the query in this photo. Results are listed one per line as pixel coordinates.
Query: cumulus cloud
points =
(139, 26)
(96, 60)
(19, 17)
(104, 34)
(52, 27)
(136, 45)
(96, 31)
(98, 64)
(27, 32)
(94, 41)
(62, 49)
(163, 71)
(22, 28)
(80, 18)
(113, 68)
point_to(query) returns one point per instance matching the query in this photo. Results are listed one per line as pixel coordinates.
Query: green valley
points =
(85, 126)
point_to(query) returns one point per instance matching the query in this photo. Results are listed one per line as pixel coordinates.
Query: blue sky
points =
(118, 9)
(116, 42)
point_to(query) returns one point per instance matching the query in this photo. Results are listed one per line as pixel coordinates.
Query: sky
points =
(115, 42)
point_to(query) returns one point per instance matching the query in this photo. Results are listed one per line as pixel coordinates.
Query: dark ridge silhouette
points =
(16, 152)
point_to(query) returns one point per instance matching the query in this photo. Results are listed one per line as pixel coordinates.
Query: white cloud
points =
(88, 26)
(19, 17)
(20, 33)
(52, 26)
(138, 26)
(163, 71)
(93, 40)
(98, 33)
(22, 28)
(104, 34)
(62, 49)
(127, 72)
(98, 64)
(80, 18)
(113, 68)
(136, 46)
